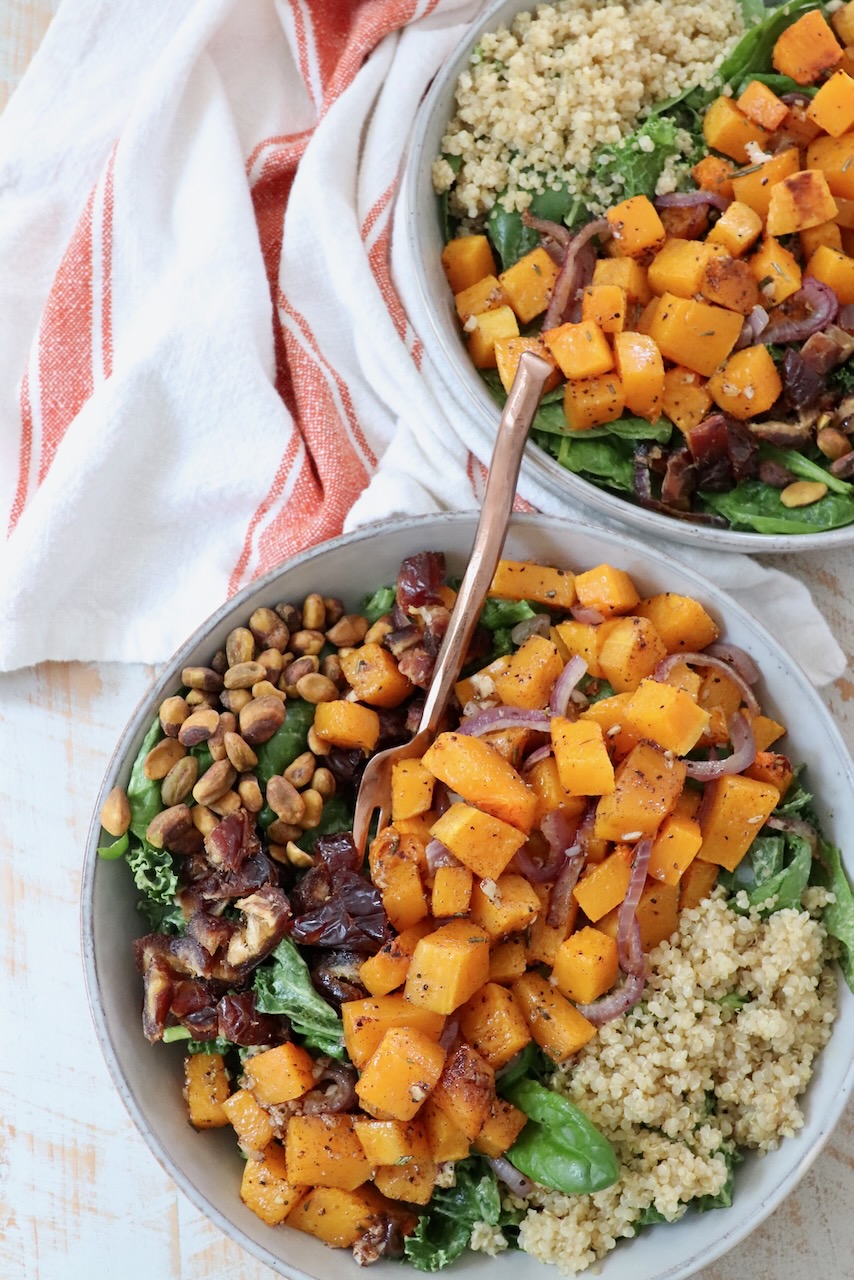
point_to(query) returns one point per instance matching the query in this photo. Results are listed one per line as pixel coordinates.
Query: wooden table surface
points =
(81, 1194)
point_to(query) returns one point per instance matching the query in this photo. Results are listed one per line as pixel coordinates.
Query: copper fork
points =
(375, 789)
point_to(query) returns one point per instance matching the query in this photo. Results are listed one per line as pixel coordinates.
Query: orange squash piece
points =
(834, 269)
(648, 783)
(396, 1079)
(478, 840)
(529, 676)
(748, 384)
(606, 306)
(506, 905)
(366, 1021)
(452, 888)
(206, 1088)
(484, 331)
(556, 1025)
(630, 651)
(637, 230)
(761, 105)
(482, 777)
(501, 1128)
(728, 130)
(604, 885)
(492, 1022)
(665, 715)
(832, 108)
(826, 233)
(626, 274)
(695, 334)
(698, 881)
(608, 590)
(373, 675)
(581, 350)
(526, 580)
(806, 49)
(347, 724)
(800, 201)
(280, 1074)
(680, 621)
(386, 971)
(678, 267)
(485, 295)
(266, 1189)
(591, 402)
(507, 960)
(252, 1124)
(776, 271)
(674, 848)
(528, 284)
(835, 158)
(412, 1181)
(733, 817)
(686, 401)
(338, 1217)
(508, 353)
(448, 966)
(583, 764)
(466, 260)
(586, 965)
(411, 789)
(753, 187)
(737, 229)
(713, 173)
(641, 371)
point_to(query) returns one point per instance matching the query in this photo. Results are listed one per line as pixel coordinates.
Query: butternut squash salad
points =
(383, 1038)
(701, 337)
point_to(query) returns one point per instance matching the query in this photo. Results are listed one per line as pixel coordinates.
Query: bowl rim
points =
(165, 678)
(467, 390)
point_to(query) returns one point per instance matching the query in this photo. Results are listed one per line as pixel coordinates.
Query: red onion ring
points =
(537, 872)
(738, 658)
(845, 319)
(495, 718)
(539, 625)
(821, 306)
(566, 284)
(564, 685)
(438, 855)
(743, 754)
(450, 1032)
(691, 199)
(754, 326)
(554, 230)
(592, 617)
(560, 899)
(616, 1002)
(514, 1181)
(628, 935)
(541, 753)
(704, 659)
(795, 827)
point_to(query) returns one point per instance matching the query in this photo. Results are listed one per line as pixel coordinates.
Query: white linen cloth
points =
(205, 363)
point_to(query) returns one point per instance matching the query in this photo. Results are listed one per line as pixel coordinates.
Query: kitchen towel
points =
(205, 361)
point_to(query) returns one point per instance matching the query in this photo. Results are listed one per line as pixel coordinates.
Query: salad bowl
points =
(423, 234)
(207, 1165)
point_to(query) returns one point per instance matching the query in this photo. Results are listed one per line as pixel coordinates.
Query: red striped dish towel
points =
(204, 357)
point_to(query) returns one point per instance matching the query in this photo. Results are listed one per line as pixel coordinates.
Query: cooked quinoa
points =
(687, 1073)
(539, 97)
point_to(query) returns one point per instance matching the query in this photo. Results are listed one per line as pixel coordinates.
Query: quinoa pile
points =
(735, 1011)
(539, 97)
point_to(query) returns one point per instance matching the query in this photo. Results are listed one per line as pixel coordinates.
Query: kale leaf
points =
(444, 1230)
(283, 985)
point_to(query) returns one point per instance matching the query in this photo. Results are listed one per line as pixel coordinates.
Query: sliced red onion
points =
(691, 199)
(560, 898)
(592, 617)
(537, 872)
(738, 658)
(795, 827)
(819, 305)
(554, 230)
(566, 285)
(441, 799)
(585, 831)
(754, 326)
(616, 1002)
(449, 1034)
(541, 753)
(743, 754)
(564, 685)
(704, 659)
(514, 1181)
(539, 625)
(628, 934)
(845, 319)
(796, 99)
(438, 855)
(496, 718)
(335, 1091)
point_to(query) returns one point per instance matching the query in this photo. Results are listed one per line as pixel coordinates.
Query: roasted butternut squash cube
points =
(606, 305)
(657, 914)
(413, 1181)
(447, 1141)
(766, 731)
(774, 768)
(604, 885)
(730, 131)
(832, 108)
(411, 789)
(337, 1217)
(347, 724)
(581, 350)
(591, 402)
(678, 267)
(484, 331)
(392, 1141)
(448, 966)
(543, 939)
(206, 1088)
(556, 1025)
(608, 590)
(478, 773)
(806, 49)
(251, 1122)
(737, 229)
(648, 783)
(544, 781)
(732, 817)
(466, 1090)
(400, 1074)
(530, 675)
(753, 187)
(526, 580)
(713, 173)
(582, 639)
(718, 690)
(403, 894)
(480, 684)
(501, 1129)
(630, 652)
(834, 269)
(674, 848)
(748, 384)
(507, 959)
(492, 1022)
(666, 716)
(506, 905)
(324, 1151)
(529, 283)
(367, 1021)
(373, 675)
(452, 888)
(686, 400)
(477, 839)
(386, 971)
(467, 259)
(637, 230)
(586, 965)
(280, 1074)
(761, 105)
(729, 282)
(798, 202)
(683, 677)
(626, 274)
(694, 334)
(265, 1188)
(608, 713)
(826, 233)
(511, 744)
(583, 763)
(835, 158)
(641, 371)
(697, 882)
(681, 623)
(776, 270)
(485, 295)
(508, 353)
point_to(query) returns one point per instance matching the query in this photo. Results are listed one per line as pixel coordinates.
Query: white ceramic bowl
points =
(430, 305)
(207, 1165)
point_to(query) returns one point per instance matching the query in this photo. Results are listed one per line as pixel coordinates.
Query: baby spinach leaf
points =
(650, 1217)
(753, 52)
(444, 1230)
(559, 1147)
(144, 793)
(381, 602)
(531, 1063)
(752, 505)
(289, 741)
(510, 237)
(804, 467)
(732, 1000)
(283, 985)
(838, 916)
(724, 1198)
(605, 459)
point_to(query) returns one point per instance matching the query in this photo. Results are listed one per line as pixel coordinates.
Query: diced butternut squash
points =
(466, 260)
(506, 905)
(732, 818)
(695, 334)
(448, 966)
(581, 350)
(665, 715)
(492, 1022)
(338, 1217)
(447, 1142)
(674, 848)
(586, 965)
(392, 1141)
(394, 845)
(483, 296)
(608, 590)
(584, 766)
(835, 158)
(648, 785)
(324, 1151)
(697, 882)
(386, 971)
(265, 1188)
(280, 1074)
(637, 229)
(206, 1088)
(641, 372)
(826, 233)
(347, 724)
(773, 768)
(411, 789)
(252, 1124)
(476, 771)
(412, 1181)
(718, 690)
(842, 22)
(606, 305)
(609, 714)
(529, 283)
(761, 105)
(729, 130)
(591, 402)
(508, 353)
(657, 914)
(543, 939)
(627, 274)
(766, 731)
(399, 1075)
(834, 269)
(366, 1022)
(507, 960)
(678, 267)
(798, 202)
(806, 49)
(748, 384)
(530, 675)
(511, 744)
(713, 173)
(729, 282)
(544, 780)
(480, 684)
(630, 652)
(452, 888)
(501, 1129)
(686, 400)
(776, 270)
(403, 894)
(754, 185)
(485, 330)
(683, 677)
(556, 1025)
(604, 885)
(581, 638)
(373, 675)
(832, 108)
(681, 623)
(466, 1090)
(737, 229)
(526, 580)
(480, 841)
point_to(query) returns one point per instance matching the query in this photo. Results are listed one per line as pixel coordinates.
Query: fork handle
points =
(498, 499)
